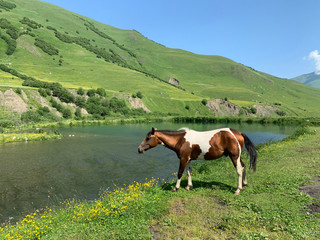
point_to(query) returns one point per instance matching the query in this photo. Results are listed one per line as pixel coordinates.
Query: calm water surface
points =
(88, 160)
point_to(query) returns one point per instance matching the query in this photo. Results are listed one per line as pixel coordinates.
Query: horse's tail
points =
(251, 151)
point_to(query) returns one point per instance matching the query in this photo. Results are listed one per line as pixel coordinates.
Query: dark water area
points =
(87, 160)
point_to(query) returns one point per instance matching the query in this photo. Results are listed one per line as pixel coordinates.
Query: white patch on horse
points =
(202, 139)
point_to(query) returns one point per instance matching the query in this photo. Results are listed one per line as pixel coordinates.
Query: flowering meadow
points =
(101, 217)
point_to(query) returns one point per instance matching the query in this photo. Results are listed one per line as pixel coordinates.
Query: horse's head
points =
(150, 141)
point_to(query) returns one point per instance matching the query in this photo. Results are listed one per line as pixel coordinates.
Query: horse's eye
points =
(147, 138)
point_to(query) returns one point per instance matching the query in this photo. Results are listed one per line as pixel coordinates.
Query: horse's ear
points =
(153, 130)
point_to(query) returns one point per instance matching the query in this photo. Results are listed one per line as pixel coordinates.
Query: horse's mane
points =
(171, 131)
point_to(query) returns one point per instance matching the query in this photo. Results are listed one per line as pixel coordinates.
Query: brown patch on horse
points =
(222, 143)
(195, 152)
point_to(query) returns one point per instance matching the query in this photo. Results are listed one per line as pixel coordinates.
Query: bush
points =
(78, 113)
(46, 47)
(204, 102)
(44, 92)
(101, 92)
(139, 95)
(18, 91)
(91, 92)
(66, 113)
(30, 23)
(43, 111)
(7, 5)
(30, 116)
(80, 91)
(94, 106)
(280, 113)
(80, 101)
(117, 104)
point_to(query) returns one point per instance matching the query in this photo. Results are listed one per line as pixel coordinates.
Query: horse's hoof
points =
(188, 188)
(175, 189)
(237, 192)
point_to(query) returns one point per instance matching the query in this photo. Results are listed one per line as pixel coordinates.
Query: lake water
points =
(88, 160)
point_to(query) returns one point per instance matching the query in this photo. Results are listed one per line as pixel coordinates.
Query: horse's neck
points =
(170, 139)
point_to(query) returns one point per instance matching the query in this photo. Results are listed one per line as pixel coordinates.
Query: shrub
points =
(280, 113)
(46, 47)
(91, 92)
(80, 91)
(7, 5)
(43, 92)
(139, 94)
(18, 91)
(204, 102)
(78, 113)
(80, 101)
(66, 113)
(116, 104)
(101, 92)
(43, 111)
(30, 23)
(30, 116)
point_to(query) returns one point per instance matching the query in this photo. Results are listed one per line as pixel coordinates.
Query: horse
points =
(208, 145)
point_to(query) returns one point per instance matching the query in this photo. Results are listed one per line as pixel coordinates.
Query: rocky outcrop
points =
(221, 107)
(174, 81)
(134, 102)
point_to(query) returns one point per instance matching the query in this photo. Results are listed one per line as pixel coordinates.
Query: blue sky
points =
(279, 37)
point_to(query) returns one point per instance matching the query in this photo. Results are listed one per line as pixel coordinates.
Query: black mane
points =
(167, 131)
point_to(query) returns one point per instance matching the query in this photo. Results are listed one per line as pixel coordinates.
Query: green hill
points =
(52, 44)
(310, 79)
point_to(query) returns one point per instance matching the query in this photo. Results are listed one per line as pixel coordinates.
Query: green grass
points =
(271, 207)
(201, 76)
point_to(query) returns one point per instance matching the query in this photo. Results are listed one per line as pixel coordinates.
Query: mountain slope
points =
(53, 44)
(310, 79)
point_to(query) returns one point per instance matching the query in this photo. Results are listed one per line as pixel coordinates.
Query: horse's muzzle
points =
(140, 150)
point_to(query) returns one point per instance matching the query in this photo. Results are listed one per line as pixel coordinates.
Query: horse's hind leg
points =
(240, 169)
(244, 175)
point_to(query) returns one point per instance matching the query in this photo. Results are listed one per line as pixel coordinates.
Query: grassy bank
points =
(25, 137)
(271, 207)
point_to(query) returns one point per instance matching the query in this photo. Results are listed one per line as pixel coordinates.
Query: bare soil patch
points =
(12, 101)
(314, 191)
(134, 102)
(221, 107)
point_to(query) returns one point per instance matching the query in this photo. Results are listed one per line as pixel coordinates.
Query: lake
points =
(87, 160)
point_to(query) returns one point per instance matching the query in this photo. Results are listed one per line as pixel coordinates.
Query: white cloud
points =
(315, 56)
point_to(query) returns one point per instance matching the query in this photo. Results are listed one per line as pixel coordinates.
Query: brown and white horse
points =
(209, 145)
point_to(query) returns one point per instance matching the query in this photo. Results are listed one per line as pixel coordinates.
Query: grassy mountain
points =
(310, 79)
(52, 44)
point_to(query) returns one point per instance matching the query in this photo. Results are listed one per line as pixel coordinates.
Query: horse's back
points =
(212, 144)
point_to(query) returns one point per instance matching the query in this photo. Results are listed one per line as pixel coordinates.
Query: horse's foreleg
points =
(180, 172)
(189, 187)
